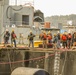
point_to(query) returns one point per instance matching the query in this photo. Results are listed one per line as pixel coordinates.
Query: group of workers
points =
(56, 40)
(6, 36)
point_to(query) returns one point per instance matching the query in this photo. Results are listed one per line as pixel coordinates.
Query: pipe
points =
(29, 71)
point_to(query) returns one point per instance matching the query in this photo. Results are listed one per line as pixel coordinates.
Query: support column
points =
(46, 61)
(1, 22)
(23, 56)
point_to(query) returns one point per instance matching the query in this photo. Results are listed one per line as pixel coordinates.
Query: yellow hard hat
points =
(44, 32)
(54, 34)
(65, 33)
(12, 30)
(49, 32)
(30, 31)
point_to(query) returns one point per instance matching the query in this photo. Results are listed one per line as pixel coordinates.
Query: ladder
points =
(57, 63)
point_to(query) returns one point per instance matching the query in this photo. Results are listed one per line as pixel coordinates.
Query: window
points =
(25, 19)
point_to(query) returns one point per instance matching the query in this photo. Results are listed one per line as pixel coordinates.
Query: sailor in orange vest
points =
(49, 37)
(64, 40)
(44, 38)
(40, 36)
(13, 38)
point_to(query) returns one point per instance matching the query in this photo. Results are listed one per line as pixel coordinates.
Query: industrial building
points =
(21, 18)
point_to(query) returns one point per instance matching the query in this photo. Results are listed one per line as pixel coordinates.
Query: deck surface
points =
(23, 47)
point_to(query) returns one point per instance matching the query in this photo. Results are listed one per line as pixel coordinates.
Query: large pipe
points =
(29, 71)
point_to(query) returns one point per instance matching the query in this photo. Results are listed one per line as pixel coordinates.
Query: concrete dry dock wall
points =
(12, 59)
(68, 63)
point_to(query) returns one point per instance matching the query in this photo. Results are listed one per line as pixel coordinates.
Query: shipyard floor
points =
(22, 56)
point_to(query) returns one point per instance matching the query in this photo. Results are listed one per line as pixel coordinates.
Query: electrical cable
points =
(12, 9)
(7, 12)
(17, 9)
(32, 59)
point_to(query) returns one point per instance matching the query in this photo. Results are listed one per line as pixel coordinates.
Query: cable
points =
(7, 12)
(12, 9)
(32, 59)
(17, 9)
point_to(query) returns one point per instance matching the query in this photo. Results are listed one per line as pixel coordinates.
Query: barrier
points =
(36, 43)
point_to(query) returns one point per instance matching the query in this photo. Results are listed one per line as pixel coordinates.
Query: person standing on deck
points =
(13, 38)
(49, 37)
(6, 37)
(44, 38)
(69, 40)
(64, 40)
(59, 40)
(55, 39)
(31, 39)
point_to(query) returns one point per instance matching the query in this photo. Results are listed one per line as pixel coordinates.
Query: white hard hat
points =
(6, 29)
(58, 32)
